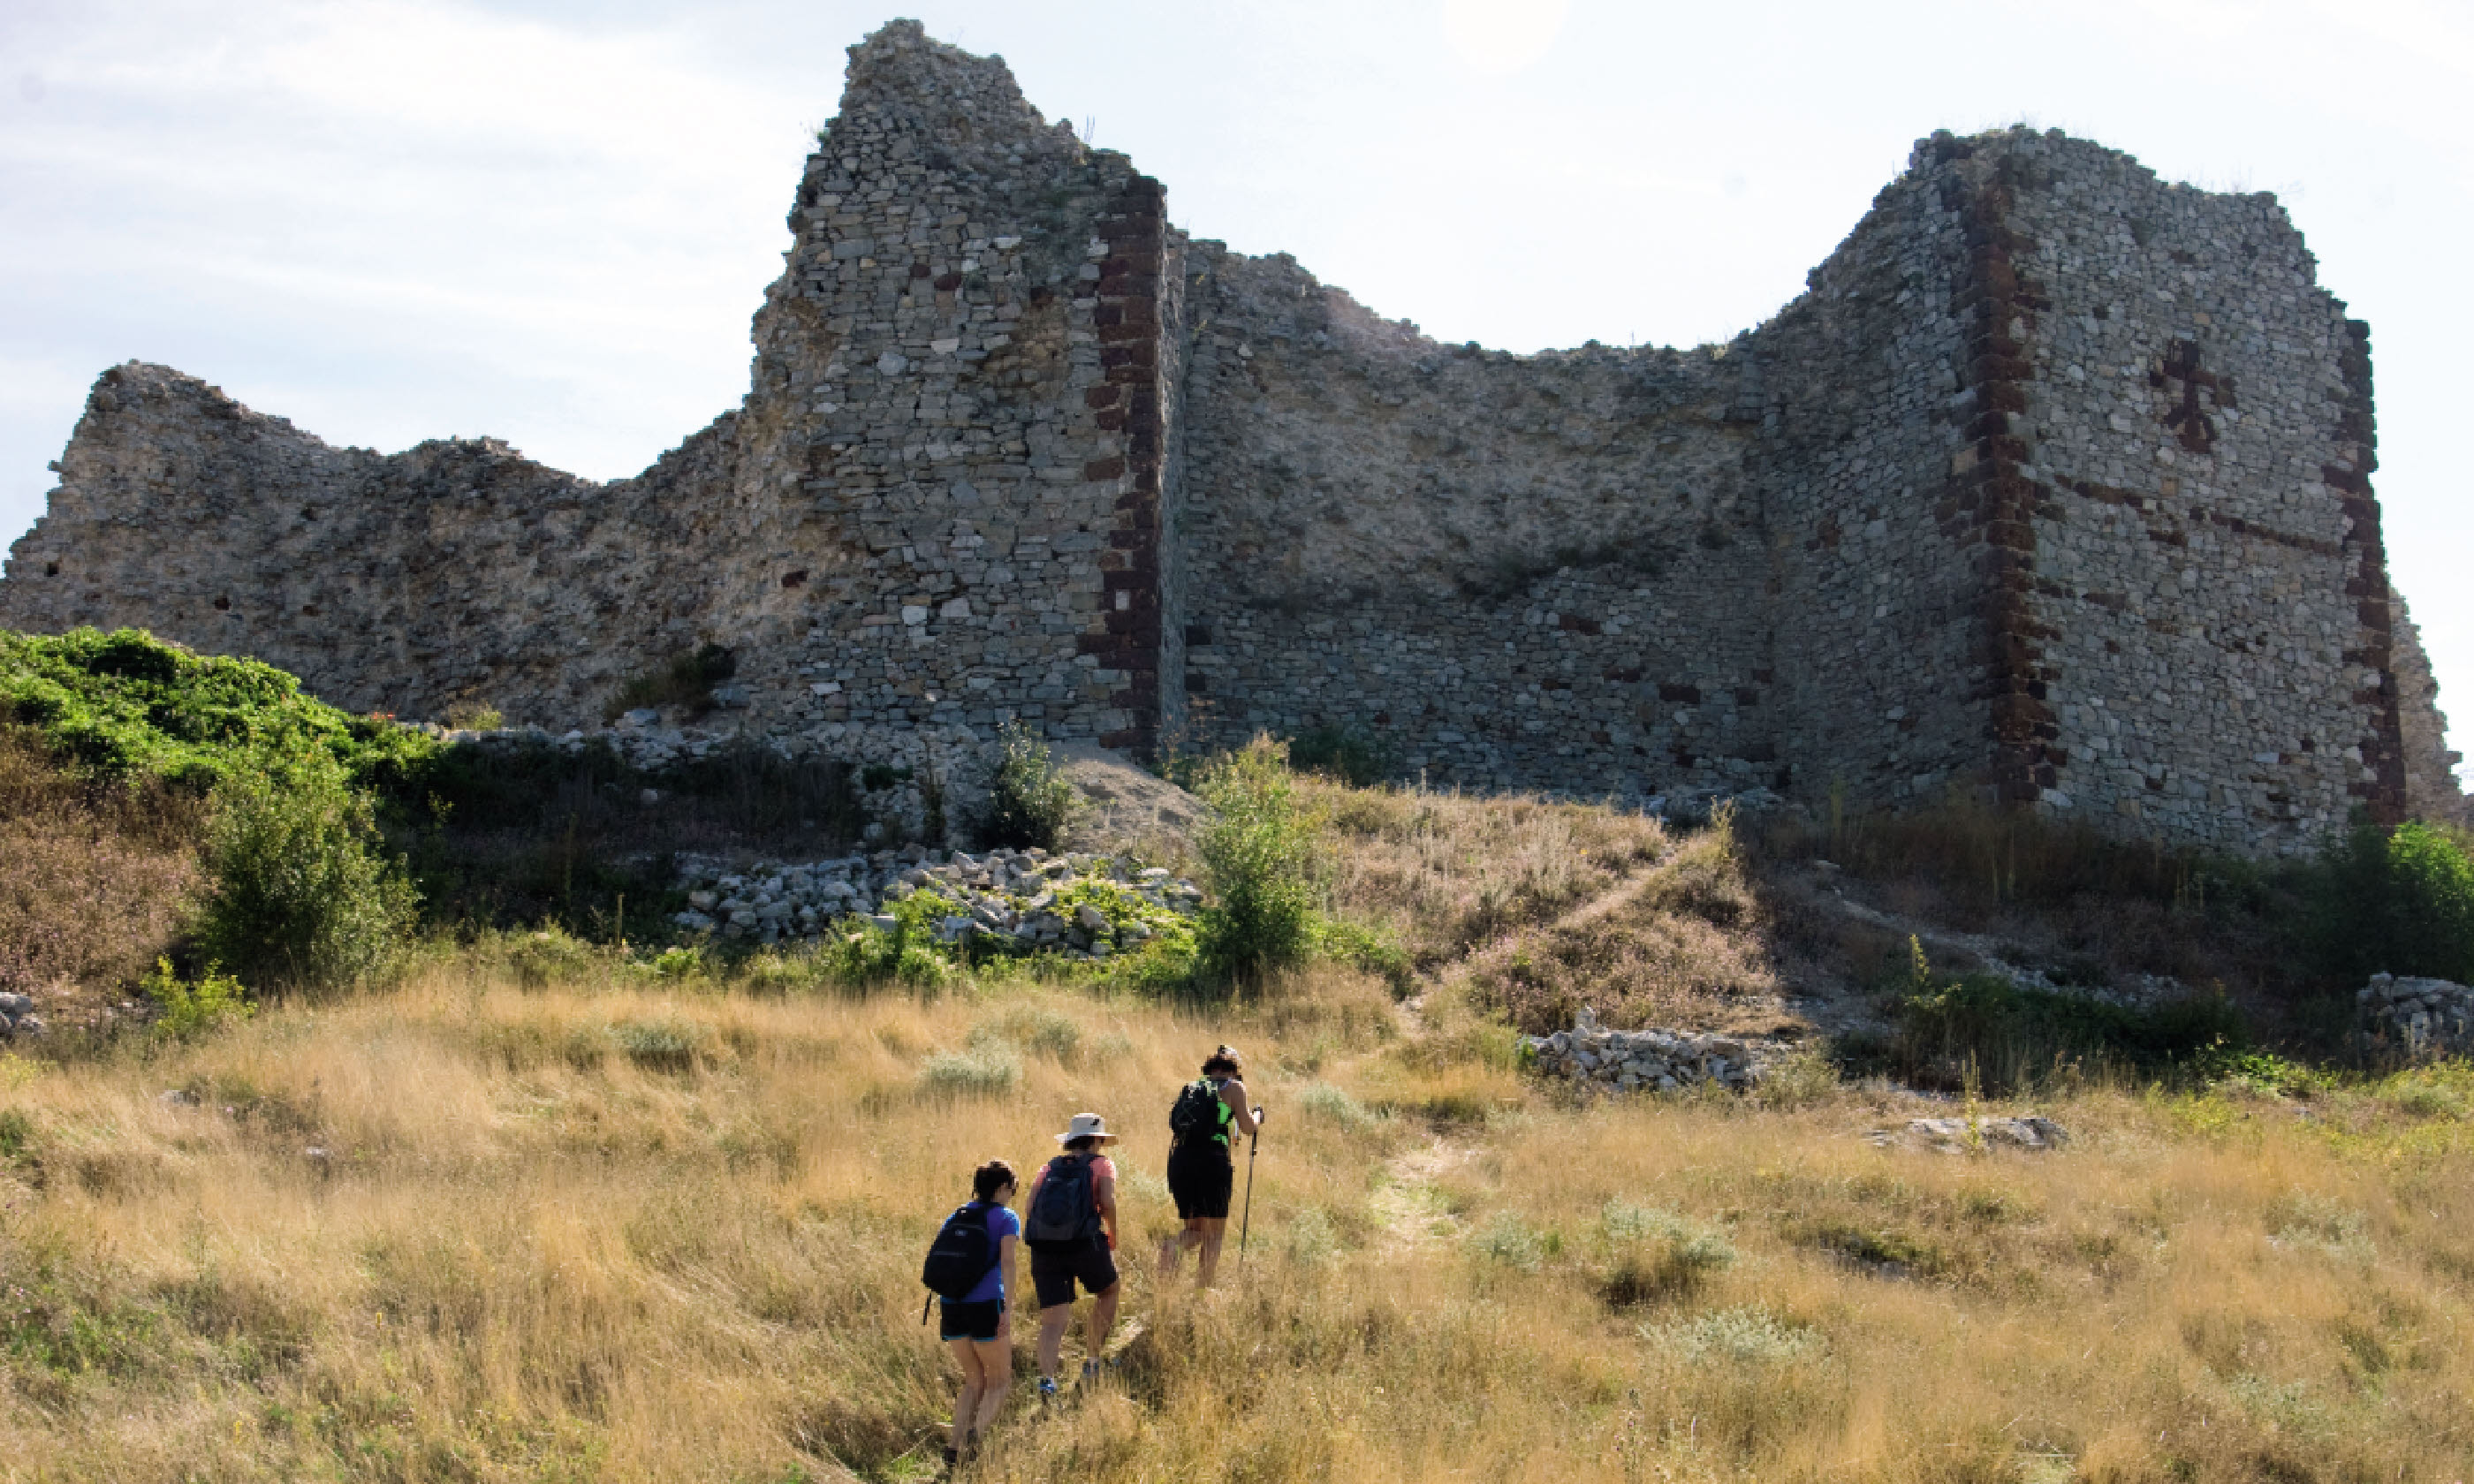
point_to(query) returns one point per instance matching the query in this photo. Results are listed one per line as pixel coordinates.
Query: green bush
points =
(189, 1009)
(2002, 1037)
(301, 897)
(1652, 1253)
(2395, 902)
(1344, 753)
(1259, 848)
(984, 1069)
(1031, 802)
(126, 704)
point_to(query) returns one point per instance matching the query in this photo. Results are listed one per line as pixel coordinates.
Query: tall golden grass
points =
(610, 1227)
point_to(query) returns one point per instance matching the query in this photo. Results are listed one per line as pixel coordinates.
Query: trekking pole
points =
(1254, 1142)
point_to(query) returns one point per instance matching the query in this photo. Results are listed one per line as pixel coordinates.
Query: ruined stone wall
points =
(456, 571)
(1538, 571)
(2053, 486)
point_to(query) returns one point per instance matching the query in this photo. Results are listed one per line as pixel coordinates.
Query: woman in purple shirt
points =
(976, 1326)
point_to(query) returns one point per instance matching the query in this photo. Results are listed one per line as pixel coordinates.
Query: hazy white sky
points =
(550, 220)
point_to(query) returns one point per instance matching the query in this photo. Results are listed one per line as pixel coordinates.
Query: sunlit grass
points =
(613, 1229)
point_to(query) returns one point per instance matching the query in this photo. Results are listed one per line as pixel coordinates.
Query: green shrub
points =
(301, 897)
(1322, 1101)
(2395, 902)
(1985, 1030)
(1034, 1028)
(1651, 1254)
(1344, 753)
(986, 1069)
(1508, 1239)
(1259, 848)
(1031, 802)
(1366, 948)
(126, 704)
(1746, 1337)
(189, 1009)
(664, 1045)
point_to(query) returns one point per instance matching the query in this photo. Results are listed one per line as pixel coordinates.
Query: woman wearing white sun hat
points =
(1070, 1225)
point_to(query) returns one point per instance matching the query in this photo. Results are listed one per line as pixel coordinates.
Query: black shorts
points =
(1200, 1181)
(1054, 1271)
(970, 1320)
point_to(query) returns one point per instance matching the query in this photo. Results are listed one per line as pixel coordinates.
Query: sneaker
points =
(1047, 1388)
(1090, 1372)
(950, 1458)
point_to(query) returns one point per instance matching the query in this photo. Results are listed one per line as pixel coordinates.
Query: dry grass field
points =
(589, 1224)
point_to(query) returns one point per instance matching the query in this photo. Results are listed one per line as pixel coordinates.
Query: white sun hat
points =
(1087, 1126)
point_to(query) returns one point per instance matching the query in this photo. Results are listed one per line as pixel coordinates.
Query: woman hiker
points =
(976, 1326)
(1071, 1229)
(1208, 1115)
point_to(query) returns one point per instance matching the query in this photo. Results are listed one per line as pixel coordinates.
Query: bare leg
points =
(1173, 1250)
(1052, 1321)
(1103, 1317)
(996, 1377)
(1214, 1231)
(966, 1353)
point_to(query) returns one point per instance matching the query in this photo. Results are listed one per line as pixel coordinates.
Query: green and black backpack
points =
(1195, 1112)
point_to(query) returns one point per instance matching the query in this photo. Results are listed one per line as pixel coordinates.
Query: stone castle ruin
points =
(2055, 483)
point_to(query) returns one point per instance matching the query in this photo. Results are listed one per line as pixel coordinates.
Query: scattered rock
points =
(177, 1097)
(1957, 1135)
(1659, 1059)
(1002, 893)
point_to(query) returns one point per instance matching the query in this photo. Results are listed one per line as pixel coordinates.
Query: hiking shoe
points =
(1047, 1388)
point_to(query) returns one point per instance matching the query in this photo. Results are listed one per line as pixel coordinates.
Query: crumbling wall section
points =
(455, 572)
(1515, 571)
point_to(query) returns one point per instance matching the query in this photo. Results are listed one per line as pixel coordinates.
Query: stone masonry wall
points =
(1519, 571)
(2210, 615)
(2052, 487)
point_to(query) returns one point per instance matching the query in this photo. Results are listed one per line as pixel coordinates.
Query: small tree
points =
(1259, 848)
(1031, 802)
(302, 899)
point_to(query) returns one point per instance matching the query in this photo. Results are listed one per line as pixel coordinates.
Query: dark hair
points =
(1078, 1145)
(1225, 1060)
(989, 1179)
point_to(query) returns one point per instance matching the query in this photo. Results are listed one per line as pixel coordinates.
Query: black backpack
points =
(1195, 1110)
(1063, 1210)
(961, 1255)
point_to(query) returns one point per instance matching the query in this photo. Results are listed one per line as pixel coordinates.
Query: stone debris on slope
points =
(1019, 899)
(17, 1017)
(2415, 1018)
(1955, 1135)
(1658, 1060)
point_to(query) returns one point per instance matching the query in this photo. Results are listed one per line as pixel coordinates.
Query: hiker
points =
(1071, 1228)
(1207, 1117)
(976, 1326)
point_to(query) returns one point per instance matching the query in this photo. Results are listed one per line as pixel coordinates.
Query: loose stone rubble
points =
(1079, 905)
(2415, 1018)
(1959, 1136)
(1590, 1055)
(17, 1017)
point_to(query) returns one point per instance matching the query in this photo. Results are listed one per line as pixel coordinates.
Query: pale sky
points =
(552, 221)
